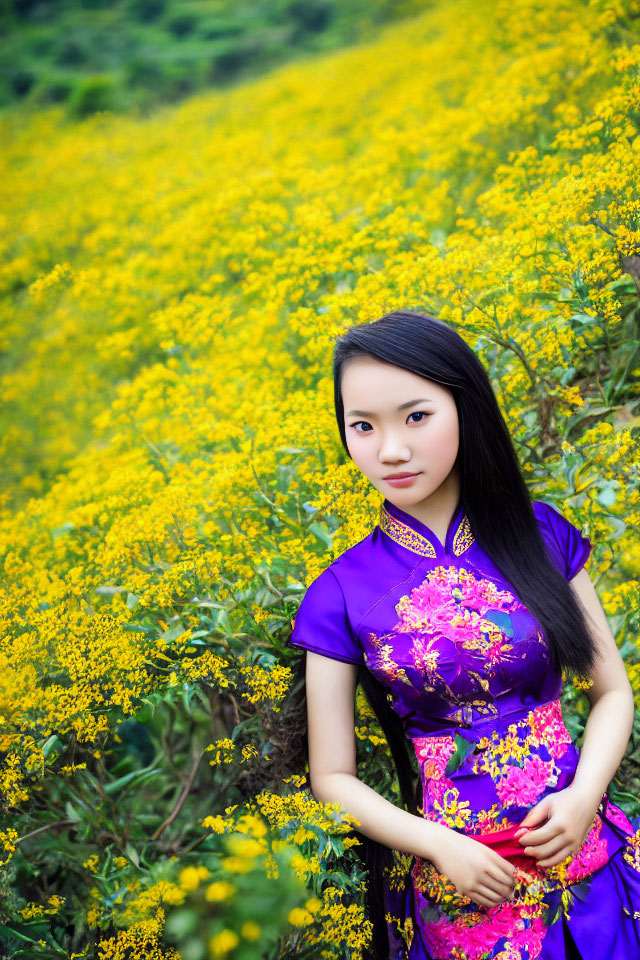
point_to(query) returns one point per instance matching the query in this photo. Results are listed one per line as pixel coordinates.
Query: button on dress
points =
(468, 672)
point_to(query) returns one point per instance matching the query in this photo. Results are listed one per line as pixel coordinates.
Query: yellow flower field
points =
(173, 476)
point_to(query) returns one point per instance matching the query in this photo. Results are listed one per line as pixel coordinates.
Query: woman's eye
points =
(416, 413)
(358, 422)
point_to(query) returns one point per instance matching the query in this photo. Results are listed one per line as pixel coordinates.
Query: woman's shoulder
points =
(568, 544)
(550, 517)
(324, 620)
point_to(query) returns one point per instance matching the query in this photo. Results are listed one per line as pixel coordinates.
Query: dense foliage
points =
(134, 54)
(171, 467)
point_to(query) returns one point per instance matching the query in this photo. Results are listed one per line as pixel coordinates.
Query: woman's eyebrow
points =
(403, 406)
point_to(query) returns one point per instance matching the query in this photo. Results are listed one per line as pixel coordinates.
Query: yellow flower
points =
(219, 890)
(190, 877)
(250, 930)
(300, 917)
(237, 864)
(245, 846)
(220, 944)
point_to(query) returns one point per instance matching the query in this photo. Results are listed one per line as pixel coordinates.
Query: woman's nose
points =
(393, 449)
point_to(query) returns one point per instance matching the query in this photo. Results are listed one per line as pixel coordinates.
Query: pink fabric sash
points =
(505, 843)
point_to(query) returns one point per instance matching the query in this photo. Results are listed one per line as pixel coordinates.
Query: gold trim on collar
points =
(463, 538)
(407, 537)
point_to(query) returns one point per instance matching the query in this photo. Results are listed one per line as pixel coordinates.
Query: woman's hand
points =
(558, 825)
(475, 870)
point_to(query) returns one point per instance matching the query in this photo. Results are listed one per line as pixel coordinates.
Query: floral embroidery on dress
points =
(463, 650)
(548, 728)
(520, 774)
(459, 927)
(433, 754)
(617, 816)
(521, 764)
(589, 857)
(632, 850)
(451, 603)
(521, 785)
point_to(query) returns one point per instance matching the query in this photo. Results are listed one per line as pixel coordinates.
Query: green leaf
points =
(618, 524)
(49, 744)
(71, 812)
(11, 932)
(585, 318)
(322, 533)
(552, 916)
(62, 530)
(607, 497)
(129, 777)
(174, 631)
(132, 853)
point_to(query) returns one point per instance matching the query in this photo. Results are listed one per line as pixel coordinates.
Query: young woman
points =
(458, 613)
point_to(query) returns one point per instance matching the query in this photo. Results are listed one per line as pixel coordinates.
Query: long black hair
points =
(499, 508)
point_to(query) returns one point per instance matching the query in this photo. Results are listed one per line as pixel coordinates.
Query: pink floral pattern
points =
(452, 603)
(453, 638)
(433, 754)
(523, 785)
(547, 727)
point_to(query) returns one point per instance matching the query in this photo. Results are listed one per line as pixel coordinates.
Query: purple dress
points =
(468, 672)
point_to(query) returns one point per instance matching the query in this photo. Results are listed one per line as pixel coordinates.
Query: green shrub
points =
(212, 28)
(147, 10)
(181, 24)
(233, 58)
(99, 92)
(21, 81)
(53, 88)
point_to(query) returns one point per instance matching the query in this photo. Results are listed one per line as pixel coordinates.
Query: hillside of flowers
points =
(172, 475)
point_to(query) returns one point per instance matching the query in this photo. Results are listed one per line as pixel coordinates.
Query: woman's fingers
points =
(504, 871)
(482, 900)
(556, 858)
(499, 884)
(541, 834)
(546, 850)
(494, 897)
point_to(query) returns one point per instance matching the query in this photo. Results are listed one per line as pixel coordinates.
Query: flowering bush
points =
(172, 473)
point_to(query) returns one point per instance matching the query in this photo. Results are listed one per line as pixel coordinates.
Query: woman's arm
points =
(475, 870)
(570, 812)
(610, 719)
(333, 776)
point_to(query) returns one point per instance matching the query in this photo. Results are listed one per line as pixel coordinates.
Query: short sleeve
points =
(569, 547)
(322, 622)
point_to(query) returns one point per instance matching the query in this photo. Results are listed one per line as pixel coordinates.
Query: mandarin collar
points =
(416, 536)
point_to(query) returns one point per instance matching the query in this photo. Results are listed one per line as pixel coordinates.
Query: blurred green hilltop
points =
(126, 55)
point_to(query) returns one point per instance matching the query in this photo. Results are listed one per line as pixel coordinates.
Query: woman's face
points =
(398, 422)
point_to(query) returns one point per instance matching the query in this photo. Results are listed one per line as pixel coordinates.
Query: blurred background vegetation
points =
(125, 55)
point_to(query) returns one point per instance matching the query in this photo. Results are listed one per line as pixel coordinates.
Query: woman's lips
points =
(401, 481)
